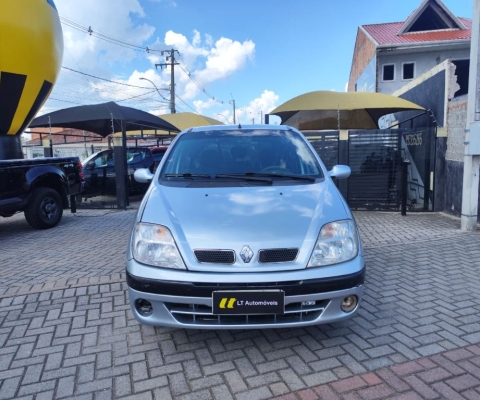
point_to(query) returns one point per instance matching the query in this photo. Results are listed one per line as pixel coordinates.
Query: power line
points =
(189, 106)
(99, 35)
(108, 80)
(65, 101)
(117, 83)
(119, 42)
(190, 75)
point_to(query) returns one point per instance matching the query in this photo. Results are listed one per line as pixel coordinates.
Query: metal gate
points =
(418, 147)
(326, 145)
(376, 158)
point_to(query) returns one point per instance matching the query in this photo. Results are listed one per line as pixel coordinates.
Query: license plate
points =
(235, 302)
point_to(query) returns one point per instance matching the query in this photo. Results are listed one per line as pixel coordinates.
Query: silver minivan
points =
(243, 227)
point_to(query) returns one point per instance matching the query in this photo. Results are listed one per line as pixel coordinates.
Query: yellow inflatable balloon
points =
(31, 51)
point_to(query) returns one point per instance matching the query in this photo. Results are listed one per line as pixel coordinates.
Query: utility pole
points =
(172, 64)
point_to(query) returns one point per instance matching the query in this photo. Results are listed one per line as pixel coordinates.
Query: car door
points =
(100, 173)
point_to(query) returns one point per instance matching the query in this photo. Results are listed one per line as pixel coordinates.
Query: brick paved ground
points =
(66, 330)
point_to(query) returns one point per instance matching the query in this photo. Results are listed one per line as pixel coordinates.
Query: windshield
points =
(243, 151)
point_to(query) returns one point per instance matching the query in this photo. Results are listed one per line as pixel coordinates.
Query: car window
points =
(242, 151)
(104, 159)
(135, 156)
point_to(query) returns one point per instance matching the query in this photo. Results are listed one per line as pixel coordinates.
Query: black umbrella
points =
(105, 119)
(98, 118)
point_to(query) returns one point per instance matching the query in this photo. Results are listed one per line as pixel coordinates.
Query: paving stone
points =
(158, 382)
(9, 387)
(463, 382)
(262, 380)
(421, 388)
(218, 368)
(255, 394)
(178, 384)
(235, 382)
(65, 387)
(291, 379)
(207, 382)
(319, 378)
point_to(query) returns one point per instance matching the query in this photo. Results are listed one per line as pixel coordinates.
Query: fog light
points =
(308, 303)
(349, 303)
(144, 307)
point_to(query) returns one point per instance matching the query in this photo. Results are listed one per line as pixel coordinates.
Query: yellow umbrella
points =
(186, 120)
(340, 110)
(181, 121)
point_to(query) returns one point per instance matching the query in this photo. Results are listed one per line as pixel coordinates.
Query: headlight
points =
(337, 242)
(154, 245)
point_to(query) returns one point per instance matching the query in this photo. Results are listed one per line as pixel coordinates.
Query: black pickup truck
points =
(41, 187)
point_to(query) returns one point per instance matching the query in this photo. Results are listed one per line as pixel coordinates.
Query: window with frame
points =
(388, 73)
(408, 71)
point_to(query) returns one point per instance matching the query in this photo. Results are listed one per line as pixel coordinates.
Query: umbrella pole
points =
(338, 117)
(47, 143)
(120, 168)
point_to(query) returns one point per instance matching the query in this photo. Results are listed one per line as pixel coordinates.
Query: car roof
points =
(236, 127)
(87, 159)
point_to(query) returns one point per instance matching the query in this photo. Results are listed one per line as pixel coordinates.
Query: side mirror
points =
(143, 175)
(340, 171)
(90, 165)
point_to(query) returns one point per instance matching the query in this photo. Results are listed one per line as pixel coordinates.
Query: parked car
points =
(41, 188)
(99, 171)
(243, 227)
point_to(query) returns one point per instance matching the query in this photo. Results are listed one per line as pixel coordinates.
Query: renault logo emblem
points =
(246, 254)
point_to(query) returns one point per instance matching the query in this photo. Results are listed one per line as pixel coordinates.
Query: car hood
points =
(274, 217)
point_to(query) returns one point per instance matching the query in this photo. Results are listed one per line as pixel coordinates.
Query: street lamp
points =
(228, 122)
(153, 83)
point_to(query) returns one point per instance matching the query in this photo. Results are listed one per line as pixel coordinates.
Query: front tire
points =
(45, 209)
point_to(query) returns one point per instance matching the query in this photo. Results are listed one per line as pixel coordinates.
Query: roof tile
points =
(387, 34)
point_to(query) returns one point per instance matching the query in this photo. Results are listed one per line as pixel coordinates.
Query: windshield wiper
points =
(245, 177)
(187, 175)
(289, 176)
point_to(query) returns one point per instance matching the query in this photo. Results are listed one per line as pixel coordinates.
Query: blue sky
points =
(259, 53)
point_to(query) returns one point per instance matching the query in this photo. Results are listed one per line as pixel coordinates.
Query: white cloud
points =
(223, 60)
(201, 106)
(257, 108)
(205, 62)
(89, 52)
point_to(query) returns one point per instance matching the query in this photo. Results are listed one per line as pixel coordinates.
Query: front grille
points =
(277, 255)
(202, 315)
(215, 256)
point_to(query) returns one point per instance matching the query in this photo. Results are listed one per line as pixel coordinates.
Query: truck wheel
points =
(45, 209)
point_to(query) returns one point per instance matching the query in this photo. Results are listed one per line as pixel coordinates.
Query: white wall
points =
(424, 61)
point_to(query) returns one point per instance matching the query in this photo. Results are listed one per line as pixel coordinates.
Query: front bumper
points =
(189, 304)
